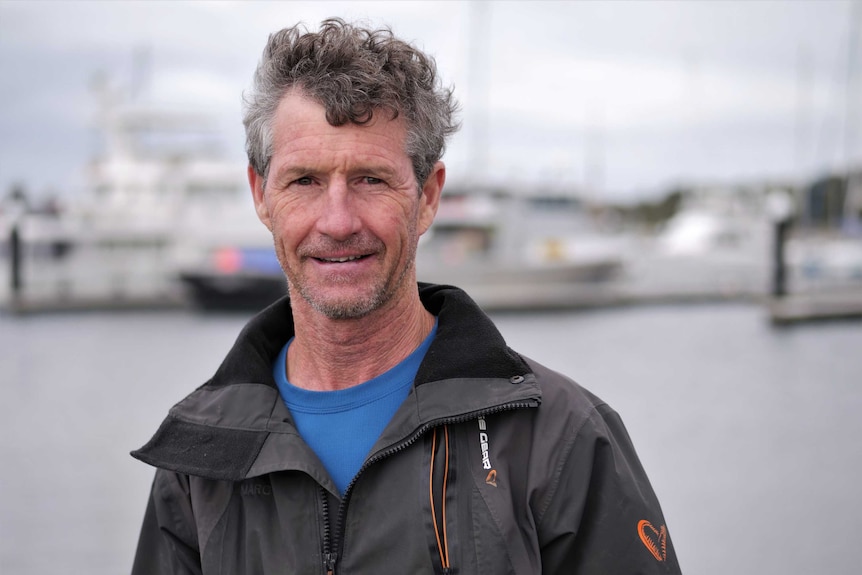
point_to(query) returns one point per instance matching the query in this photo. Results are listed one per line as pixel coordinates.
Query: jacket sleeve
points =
(603, 516)
(168, 542)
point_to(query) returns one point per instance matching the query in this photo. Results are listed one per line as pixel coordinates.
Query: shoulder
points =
(594, 506)
(568, 405)
(574, 434)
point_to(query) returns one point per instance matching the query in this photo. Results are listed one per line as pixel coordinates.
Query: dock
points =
(102, 303)
(813, 306)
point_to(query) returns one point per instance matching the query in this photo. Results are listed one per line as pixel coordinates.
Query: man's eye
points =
(304, 181)
(372, 181)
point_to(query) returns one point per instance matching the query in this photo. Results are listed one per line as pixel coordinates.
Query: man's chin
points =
(344, 306)
(348, 298)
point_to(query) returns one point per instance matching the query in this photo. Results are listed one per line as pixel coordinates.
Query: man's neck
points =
(331, 354)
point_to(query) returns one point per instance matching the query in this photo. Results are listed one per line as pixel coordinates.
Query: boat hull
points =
(213, 291)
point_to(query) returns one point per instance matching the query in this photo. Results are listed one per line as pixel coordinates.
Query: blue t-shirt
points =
(341, 426)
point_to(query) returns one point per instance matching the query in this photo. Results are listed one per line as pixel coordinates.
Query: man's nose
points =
(338, 218)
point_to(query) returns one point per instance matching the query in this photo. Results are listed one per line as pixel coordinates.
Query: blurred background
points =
(661, 199)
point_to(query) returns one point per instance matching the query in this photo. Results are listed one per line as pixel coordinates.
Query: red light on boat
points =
(228, 260)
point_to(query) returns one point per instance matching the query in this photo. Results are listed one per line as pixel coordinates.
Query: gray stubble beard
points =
(355, 310)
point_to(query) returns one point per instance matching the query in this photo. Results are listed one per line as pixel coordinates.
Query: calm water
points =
(751, 435)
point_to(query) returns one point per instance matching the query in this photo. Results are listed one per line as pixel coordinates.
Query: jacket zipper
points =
(328, 556)
(333, 539)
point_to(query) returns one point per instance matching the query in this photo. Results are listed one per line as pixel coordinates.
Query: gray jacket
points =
(494, 464)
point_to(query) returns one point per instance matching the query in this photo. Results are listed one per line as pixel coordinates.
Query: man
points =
(362, 425)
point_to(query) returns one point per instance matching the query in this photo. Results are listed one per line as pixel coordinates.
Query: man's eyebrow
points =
(288, 172)
(387, 172)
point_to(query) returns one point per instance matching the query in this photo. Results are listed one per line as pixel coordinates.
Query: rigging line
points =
(846, 41)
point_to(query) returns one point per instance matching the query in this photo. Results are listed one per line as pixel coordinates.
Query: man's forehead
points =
(296, 106)
(300, 124)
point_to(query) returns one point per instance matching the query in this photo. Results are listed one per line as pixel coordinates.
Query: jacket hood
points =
(220, 429)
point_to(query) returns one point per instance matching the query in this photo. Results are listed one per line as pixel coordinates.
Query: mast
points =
(479, 78)
(853, 185)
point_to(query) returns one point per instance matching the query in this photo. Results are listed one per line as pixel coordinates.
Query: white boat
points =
(517, 251)
(159, 172)
(717, 245)
(157, 166)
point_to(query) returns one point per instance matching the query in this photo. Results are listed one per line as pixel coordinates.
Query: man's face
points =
(344, 208)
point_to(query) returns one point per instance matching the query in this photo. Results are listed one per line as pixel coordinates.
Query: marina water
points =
(749, 433)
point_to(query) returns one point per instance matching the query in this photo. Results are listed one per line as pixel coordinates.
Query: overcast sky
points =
(622, 99)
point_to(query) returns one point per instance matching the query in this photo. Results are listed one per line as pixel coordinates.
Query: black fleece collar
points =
(468, 345)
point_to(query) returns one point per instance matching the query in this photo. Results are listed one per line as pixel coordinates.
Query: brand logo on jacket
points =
(491, 478)
(255, 489)
(654, 539)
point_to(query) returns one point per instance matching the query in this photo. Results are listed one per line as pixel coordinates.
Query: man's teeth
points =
(341, 260)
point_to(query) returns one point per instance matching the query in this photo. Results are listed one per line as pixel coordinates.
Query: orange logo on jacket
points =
(654, 539)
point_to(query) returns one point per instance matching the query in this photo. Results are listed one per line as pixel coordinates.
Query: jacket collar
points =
(236, 425)
(466, 337)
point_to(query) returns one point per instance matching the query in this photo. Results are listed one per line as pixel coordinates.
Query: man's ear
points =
(256, 182)
(429, 200)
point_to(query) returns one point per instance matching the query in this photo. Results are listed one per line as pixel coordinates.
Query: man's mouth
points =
(341, 260)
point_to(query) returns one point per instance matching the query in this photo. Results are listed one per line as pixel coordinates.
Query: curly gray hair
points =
(352, 72)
